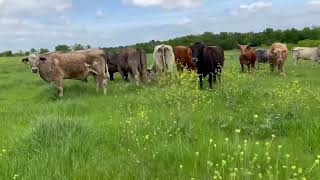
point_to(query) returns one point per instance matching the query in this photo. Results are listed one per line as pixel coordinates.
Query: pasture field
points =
(250, 126)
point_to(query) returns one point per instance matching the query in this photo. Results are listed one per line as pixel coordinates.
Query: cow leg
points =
(253, 65)
(125, 77)
(210, 79)
(282, 70)
(111, 77)
(101, 83)
(59, 84)
(136, 76)
(143, 75)
(272, 67)
(242, 67)
(219, 73)
(97, 83)
(200, 80)
(249, 69)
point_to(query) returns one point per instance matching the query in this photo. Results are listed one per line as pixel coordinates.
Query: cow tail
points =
(106, 65)
(164, 59)
(142, 63)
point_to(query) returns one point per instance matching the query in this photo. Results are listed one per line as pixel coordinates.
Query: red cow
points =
(247, 57)
(183, 56)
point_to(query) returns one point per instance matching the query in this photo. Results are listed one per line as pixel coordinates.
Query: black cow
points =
(209, 60)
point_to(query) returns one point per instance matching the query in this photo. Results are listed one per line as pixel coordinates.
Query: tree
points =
(33, 50)
(63, 48)
(88, 46)
(76, 47)
(6, 54)
(43, 50)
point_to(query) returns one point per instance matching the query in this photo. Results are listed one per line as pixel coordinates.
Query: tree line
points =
(61, 48)
(307, 37)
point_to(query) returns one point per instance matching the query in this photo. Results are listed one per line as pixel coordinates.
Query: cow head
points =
(34, 60)
(197, 51)
(244, 48)
(278, 54)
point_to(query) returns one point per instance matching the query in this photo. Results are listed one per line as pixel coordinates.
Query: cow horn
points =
(248, 44)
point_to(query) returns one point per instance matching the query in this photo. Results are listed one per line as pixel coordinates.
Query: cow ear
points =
(43, 59)
(25, 60)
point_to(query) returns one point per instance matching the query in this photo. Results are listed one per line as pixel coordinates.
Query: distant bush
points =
(6, 54)
(229, 40)
(309, 43)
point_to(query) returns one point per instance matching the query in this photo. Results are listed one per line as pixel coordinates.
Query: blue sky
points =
(46, 23)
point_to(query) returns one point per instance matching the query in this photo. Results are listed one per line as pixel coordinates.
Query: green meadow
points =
(252, 125)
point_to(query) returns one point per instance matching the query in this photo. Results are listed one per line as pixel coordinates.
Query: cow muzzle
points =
(34, 70)
(195, 60)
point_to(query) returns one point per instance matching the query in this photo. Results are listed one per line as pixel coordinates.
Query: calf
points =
(209, 61)
(183, 57)
(129, 61)
(278, 55)
(54, 67)
(164, 60)
(247, 56)
(306, 53)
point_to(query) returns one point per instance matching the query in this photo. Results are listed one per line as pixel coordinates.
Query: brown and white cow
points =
(183, 56)
(278, 55)
(247, 56)
(54, 67)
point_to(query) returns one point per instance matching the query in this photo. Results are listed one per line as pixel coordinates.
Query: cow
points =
(183, 57)
(262, 55)
(98, 52)
(247, 57)
(129, 61)
(306, 53)
(113, 60)
(278, 55)
(164, 60)
(54, 67)
(209, 61)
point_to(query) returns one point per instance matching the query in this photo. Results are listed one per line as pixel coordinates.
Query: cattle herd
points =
(54, 67)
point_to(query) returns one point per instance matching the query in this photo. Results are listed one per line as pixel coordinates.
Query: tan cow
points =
(306, 53)
(54, 67)
(278, 55)
(164, 60)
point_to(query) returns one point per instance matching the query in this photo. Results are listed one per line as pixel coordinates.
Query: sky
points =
(26, 24)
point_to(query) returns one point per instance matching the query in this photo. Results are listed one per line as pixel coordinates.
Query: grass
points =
(251, 126)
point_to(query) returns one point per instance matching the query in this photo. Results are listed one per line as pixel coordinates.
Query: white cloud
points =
(12, 7)
(254, 7)
(314, 6)
(100, 14)
(166, 4)
(184, 21)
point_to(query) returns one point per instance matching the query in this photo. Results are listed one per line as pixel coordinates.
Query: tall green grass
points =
(253, 125)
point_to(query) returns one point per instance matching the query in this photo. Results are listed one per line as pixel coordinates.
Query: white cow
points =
(164, 60)
(306, 53)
